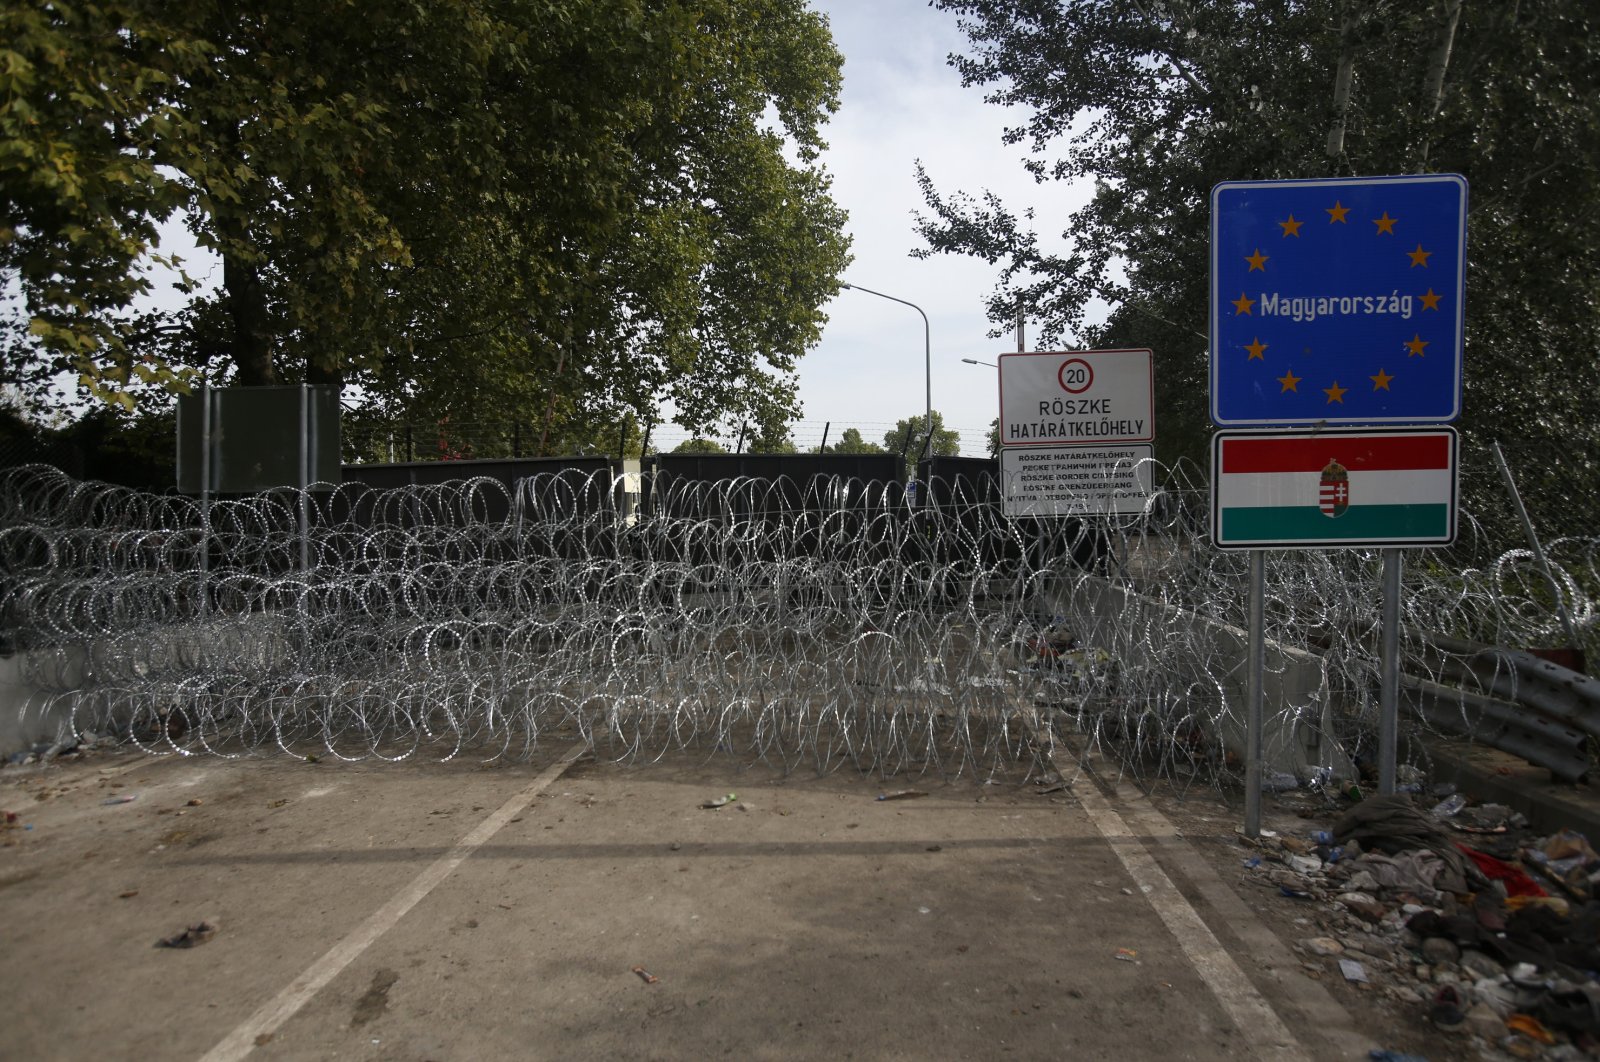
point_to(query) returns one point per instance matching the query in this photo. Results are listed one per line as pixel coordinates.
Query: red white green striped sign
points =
(1336, 487)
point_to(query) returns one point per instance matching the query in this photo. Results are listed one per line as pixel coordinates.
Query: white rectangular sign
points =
(1076, 398)
(1076, 480)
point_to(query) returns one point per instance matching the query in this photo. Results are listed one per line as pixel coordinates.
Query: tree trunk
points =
(1341, 81)
(1438, 64)
(247, 311)
(246, 297)
(318, 373)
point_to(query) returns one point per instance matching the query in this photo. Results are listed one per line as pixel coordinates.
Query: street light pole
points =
(927, 357)
(975, 361)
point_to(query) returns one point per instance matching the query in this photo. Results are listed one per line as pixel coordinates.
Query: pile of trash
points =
(1460, 910)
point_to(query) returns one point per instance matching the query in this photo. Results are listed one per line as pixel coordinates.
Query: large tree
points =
(1155, 101)
(910, 436)
(478, 208)
(851, 442)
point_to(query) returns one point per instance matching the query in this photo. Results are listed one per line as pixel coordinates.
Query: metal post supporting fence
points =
(1254, 695)
(305, 477)
(825, 426)
(205, 495)
(1538, 549)
(1389, 672)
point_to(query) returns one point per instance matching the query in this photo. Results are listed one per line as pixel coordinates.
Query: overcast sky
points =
(903, 102)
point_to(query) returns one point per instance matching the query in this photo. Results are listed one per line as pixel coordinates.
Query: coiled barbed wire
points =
(811, 624)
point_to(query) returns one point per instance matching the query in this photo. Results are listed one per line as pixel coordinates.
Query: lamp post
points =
(927, 358)
(975, 361)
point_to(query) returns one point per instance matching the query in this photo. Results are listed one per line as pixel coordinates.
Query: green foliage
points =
(770, 433)
(486, 208)
(107, 444)
(699, 446)
(851, 442)
(1157, 102)
(915, 445)
(778, 442)
(84, 93)
(367, 436)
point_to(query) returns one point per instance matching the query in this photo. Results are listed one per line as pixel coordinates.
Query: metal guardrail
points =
(1509, 699)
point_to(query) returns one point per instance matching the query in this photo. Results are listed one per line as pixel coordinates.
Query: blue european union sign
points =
(1337, 301)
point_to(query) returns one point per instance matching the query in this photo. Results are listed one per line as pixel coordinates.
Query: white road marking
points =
(1312, 1006)
(284, 1006)
(1264, 1033)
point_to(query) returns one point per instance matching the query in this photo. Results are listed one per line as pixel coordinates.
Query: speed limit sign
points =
(1077, 397)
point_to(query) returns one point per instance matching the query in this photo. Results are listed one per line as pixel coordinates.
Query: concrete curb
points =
(1492, 776)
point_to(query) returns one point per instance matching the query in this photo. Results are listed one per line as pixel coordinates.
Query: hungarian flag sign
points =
(1334, 488)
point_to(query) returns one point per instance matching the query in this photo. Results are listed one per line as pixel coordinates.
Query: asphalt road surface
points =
(454, 911)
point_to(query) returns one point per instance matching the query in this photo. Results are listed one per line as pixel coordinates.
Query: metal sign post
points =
(305, 478)
(1389, 672)
(205, 496)
(1254, 696)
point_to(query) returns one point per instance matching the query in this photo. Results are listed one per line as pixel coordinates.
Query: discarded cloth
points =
(1394, 825)
(1517, 881)
(1416, 872)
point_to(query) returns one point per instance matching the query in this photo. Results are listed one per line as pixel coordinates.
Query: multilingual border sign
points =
(1076, 480)
(1074, 430)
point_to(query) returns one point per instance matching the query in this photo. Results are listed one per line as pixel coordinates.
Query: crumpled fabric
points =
(1395, 826)
(1517, 881)
(1417, 872)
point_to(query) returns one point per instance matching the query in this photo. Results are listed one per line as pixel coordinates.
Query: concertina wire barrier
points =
(819, 625)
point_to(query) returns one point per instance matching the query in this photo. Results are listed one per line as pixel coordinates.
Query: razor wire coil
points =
(815, 624)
